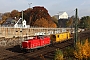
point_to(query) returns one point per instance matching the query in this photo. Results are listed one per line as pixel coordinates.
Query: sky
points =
(53, 6)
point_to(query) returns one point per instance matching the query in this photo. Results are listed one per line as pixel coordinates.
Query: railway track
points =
(85, 34)
(46, 52)
(42, 51)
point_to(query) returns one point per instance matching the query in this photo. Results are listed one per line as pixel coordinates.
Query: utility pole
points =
(76, 28)
(22, 17)
(29, 8)
(22, 26)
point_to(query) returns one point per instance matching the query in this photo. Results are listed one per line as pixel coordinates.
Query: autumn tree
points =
(41, 22)
(78, 53)
(82, 50)
(70, 22)
(86, 49)
(26, 14)
(55, 20)
(4, 17)
(38, 13)
(7, 14)
(15, 13)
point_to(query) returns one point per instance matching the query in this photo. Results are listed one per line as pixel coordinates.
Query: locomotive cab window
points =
(58, 36)
(38, 37)
(53, 36)
(42, 37)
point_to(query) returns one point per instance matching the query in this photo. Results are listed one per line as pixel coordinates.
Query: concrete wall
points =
(10, 32)
(19, 34)
(6, 42)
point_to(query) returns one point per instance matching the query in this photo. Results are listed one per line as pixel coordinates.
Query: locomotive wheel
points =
(28, 50)
(51, 45)
(32, 50)
(23, 50)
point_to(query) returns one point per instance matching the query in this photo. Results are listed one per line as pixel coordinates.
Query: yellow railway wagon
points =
(60, 37)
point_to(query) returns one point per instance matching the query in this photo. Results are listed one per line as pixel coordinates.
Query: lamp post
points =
(29, 4)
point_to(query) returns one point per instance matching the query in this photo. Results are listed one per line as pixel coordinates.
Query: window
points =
(24, 25)
(54, 36)
(58, 36)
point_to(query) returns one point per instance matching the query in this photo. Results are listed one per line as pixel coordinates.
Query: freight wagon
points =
(60, 37)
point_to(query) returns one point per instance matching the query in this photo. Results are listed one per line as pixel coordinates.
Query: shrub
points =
(82, 51)
(59, 55)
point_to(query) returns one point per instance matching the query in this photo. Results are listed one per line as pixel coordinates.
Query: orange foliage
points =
(43, 23)
(82, 51)
(86, 49)
(78, 52)
(27, 14)
(38, 17)
(40, 13)
(15, 13)
(70, 22)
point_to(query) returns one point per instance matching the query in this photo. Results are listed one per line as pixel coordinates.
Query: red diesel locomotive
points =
(36, 42)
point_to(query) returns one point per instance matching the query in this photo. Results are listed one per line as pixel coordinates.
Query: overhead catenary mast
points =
(76, 27)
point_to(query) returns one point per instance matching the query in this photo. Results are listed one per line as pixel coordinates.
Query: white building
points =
(62, 20)
(63, 15)
(24, 23)
(21, 23)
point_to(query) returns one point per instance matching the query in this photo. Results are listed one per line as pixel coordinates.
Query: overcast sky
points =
(53, 6)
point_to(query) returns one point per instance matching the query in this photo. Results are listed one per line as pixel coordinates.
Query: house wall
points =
(63, 16)
(62, 23)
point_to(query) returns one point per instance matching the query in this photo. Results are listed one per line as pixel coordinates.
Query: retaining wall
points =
(10, 36)
(10, 32)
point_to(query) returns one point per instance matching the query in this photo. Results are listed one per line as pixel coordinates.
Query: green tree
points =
(68, 52)
(59, 55)
(85, 22)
